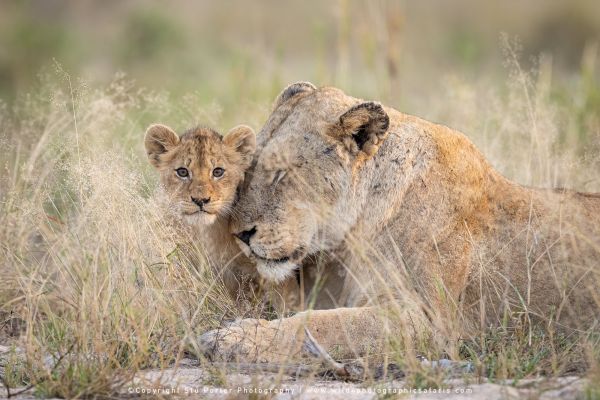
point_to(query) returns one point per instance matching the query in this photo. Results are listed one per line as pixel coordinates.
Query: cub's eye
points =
(218, 172)
(182, 172)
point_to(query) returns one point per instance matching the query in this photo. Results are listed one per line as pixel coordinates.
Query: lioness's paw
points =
(251, 340)
(236, 341)
(218, 345)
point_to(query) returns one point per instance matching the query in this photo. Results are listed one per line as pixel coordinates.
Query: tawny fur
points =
(200, 151)
(382, 195)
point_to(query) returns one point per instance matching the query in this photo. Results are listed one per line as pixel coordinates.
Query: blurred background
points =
(218, 47)
(445, 61)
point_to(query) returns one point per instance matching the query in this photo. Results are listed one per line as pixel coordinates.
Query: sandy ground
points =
(192, 380)
(188, 382)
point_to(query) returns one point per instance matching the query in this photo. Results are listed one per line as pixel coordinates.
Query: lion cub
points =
(200, 173)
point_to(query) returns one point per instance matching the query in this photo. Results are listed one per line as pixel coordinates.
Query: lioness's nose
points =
(246, 235)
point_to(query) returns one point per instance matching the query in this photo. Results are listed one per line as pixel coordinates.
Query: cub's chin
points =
(199, 218)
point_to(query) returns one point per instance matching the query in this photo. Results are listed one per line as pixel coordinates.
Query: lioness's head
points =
(201, 170)
(299, 198)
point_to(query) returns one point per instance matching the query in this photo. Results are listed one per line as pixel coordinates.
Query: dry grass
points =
(105, 285)
(86, 259)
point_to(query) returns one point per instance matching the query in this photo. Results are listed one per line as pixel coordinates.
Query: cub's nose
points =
(200, 202)
(246, 235)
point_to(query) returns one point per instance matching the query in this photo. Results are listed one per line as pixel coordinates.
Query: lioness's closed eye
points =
(201, 170)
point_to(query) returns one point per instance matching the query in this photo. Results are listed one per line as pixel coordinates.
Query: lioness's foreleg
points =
(343, 332)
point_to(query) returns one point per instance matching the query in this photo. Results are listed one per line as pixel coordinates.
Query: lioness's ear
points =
(362, 128)
(243, 140)
(292, 90)
(159, 139)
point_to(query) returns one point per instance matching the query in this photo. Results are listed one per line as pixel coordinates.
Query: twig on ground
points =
(346, 371)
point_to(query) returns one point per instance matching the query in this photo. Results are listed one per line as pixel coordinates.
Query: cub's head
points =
(307, 188)
(200, 170)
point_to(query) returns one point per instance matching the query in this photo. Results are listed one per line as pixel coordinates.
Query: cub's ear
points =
(292, 90)
(159, 139)
(243, 140)
(362, 128)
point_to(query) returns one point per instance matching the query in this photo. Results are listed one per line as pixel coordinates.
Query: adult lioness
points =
(400, 205)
